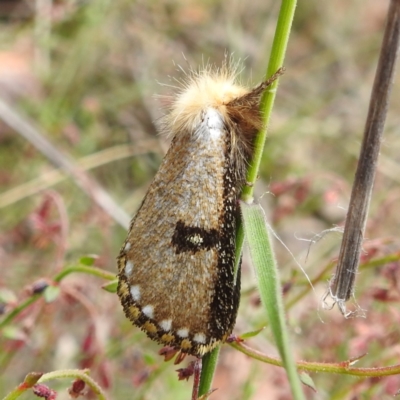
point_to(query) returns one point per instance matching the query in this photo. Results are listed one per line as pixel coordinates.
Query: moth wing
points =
(172, 263)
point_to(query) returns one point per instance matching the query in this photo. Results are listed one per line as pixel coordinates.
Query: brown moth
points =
(176, 267)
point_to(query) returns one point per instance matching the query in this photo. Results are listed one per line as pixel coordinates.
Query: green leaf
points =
(248, 335)
(88, 260)
(111, 286)
(51, 293)
(307, 380)
(256, 233)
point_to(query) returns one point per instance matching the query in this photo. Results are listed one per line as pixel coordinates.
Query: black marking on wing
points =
(192, 238)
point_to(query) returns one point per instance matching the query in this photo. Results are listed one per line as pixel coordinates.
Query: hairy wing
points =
(176, 278)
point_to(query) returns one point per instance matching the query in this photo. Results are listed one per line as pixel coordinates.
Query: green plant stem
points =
(343, 367)
(86, 270)
(58, 278)
(277, 57)
(72, 373)
(17, 310)
(77, 374)
(209, 364)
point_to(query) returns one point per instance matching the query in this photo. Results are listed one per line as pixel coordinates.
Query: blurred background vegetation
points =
(85, 74)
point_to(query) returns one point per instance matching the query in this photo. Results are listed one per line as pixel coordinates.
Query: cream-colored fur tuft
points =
(203, 90)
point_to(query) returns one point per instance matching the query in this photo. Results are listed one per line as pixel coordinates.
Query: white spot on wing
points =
(148, 311)
(127, 246)
(166, 324)
(128, 268)
(196, 239)
(184, 332)
(199, 338)
(135, 292)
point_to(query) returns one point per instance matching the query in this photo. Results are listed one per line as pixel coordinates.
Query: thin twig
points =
(342, 284)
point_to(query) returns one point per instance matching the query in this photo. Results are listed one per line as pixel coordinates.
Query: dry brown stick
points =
(341, 287)
(26, 129)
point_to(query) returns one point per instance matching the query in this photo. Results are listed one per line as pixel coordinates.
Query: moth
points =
(176, 268)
